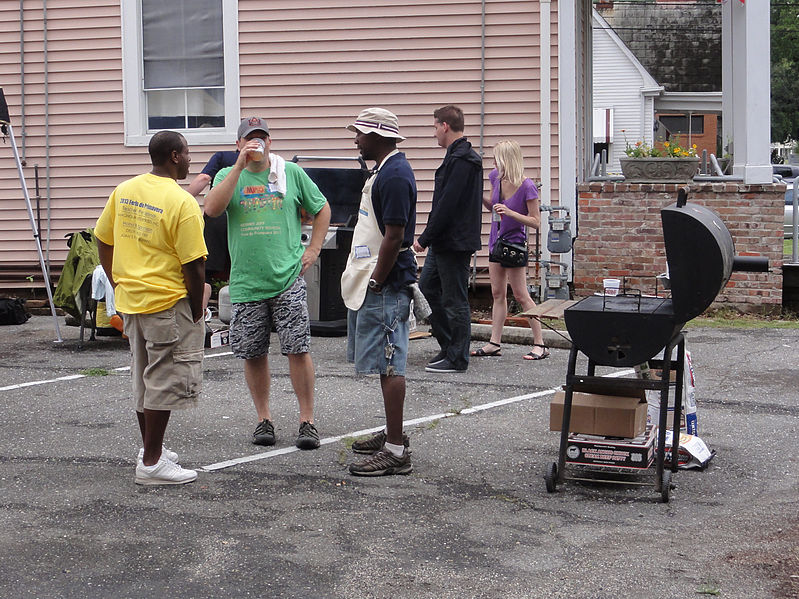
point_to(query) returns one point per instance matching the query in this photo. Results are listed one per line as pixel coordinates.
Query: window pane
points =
(679, 123)
(206, 108)
(166, 109)
(182, 43)
(185, 109)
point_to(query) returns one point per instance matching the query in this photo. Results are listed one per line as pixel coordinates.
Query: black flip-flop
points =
(532, 356)
(481, 353)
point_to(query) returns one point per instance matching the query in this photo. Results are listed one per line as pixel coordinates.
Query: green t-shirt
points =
(264, 236)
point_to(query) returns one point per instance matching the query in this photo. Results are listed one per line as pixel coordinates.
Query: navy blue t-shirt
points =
(394, 203)
(219, 161)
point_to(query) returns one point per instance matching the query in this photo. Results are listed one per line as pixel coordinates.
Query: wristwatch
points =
(375, 286)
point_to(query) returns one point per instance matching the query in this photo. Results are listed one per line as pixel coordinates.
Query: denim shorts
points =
(377, 333)
(251, 323)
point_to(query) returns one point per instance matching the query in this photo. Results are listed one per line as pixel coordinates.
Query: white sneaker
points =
(164, 472)
(165, 453)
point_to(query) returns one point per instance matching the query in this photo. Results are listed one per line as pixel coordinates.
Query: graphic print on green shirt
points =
(264, 234)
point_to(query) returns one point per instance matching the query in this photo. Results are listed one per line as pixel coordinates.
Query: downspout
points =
(482, 74)
(546, 100)
(22, 77)
(46, 135)
(545, 44)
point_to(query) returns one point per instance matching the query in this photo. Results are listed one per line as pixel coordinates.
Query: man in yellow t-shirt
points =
(150, 239)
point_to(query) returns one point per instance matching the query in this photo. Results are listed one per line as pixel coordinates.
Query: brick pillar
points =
(620, 235)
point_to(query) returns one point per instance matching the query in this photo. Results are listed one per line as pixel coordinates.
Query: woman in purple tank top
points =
(514, 206)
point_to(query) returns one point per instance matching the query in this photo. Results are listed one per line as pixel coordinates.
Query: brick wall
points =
(620, 235)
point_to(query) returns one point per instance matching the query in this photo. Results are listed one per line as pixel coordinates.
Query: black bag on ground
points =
(12, 311)
(509, 255)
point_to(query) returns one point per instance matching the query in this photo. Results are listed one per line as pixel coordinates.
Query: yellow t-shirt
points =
(155, 227)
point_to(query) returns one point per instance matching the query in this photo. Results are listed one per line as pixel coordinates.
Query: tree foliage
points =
(784, 70)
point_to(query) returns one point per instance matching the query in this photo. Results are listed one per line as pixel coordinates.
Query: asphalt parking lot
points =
(473, 520)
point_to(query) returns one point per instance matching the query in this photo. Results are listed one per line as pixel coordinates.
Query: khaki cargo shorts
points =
(166, 358)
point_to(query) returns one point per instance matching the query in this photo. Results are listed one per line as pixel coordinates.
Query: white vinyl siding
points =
(619, 83)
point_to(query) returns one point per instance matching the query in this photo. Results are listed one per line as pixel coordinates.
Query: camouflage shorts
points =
(251, 323)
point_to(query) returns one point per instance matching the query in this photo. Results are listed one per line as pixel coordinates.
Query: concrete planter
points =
(659, 170)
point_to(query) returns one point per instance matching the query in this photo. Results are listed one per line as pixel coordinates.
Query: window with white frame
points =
(180, 69)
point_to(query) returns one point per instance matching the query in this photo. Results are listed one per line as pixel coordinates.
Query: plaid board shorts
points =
(377, 333)
(166, 358)
(251, 323)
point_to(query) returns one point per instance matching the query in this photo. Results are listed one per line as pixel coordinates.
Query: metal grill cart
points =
(629, 330)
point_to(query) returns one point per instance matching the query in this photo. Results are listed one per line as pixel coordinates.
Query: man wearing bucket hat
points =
(263, 196)
(376, 283)
(452, 235)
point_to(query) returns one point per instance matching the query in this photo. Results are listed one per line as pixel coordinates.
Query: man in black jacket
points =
(452, 235)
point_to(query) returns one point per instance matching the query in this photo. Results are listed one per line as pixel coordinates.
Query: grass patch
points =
(348, 441)
(730, 318)
(94, 372)
(709, 589)
(726, 317)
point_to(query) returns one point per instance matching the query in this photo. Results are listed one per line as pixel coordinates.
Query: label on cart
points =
(637, 453)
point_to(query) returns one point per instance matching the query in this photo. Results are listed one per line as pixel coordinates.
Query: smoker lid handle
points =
(682, 196)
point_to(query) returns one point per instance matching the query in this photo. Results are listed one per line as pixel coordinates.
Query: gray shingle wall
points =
(679, 44)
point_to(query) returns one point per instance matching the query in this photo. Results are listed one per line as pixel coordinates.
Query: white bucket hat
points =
(377, 120)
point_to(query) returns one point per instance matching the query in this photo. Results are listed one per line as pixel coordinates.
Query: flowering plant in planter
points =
(672, 162)
(669, 150)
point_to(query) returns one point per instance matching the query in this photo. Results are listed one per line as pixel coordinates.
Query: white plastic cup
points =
(258, 154)
(611, 286)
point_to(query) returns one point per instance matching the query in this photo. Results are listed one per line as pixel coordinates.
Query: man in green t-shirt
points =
(263, 196)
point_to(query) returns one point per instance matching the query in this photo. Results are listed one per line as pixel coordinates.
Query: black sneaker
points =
(438, 357)
(308, 437)
(383, 463)
(264, 433)
(375, 443)
(443, 366)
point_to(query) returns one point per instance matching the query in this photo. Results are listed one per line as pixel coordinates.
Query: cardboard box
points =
(604, 415)
(637, 453)
(214, 339)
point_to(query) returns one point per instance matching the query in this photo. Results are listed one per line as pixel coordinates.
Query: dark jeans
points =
(444, 282)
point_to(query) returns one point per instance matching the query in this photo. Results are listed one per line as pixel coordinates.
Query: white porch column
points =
(746, 87)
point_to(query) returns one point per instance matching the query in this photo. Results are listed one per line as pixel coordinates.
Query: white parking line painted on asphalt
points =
(327, 440)
(72, 377)
(367, 431)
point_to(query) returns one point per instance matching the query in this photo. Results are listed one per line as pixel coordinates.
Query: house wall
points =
(308, 67)
(678, 43)
(617, 85)
(621, 235)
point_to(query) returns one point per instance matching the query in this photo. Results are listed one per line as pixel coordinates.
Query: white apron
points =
(366, 240)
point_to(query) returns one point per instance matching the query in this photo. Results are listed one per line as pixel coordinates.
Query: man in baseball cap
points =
(253, 123)
(263, 195)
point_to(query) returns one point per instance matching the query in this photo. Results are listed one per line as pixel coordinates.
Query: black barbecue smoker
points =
(631, 328)
(342, 187)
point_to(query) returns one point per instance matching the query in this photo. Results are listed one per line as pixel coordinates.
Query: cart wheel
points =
(665, 486)
(551, 477)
